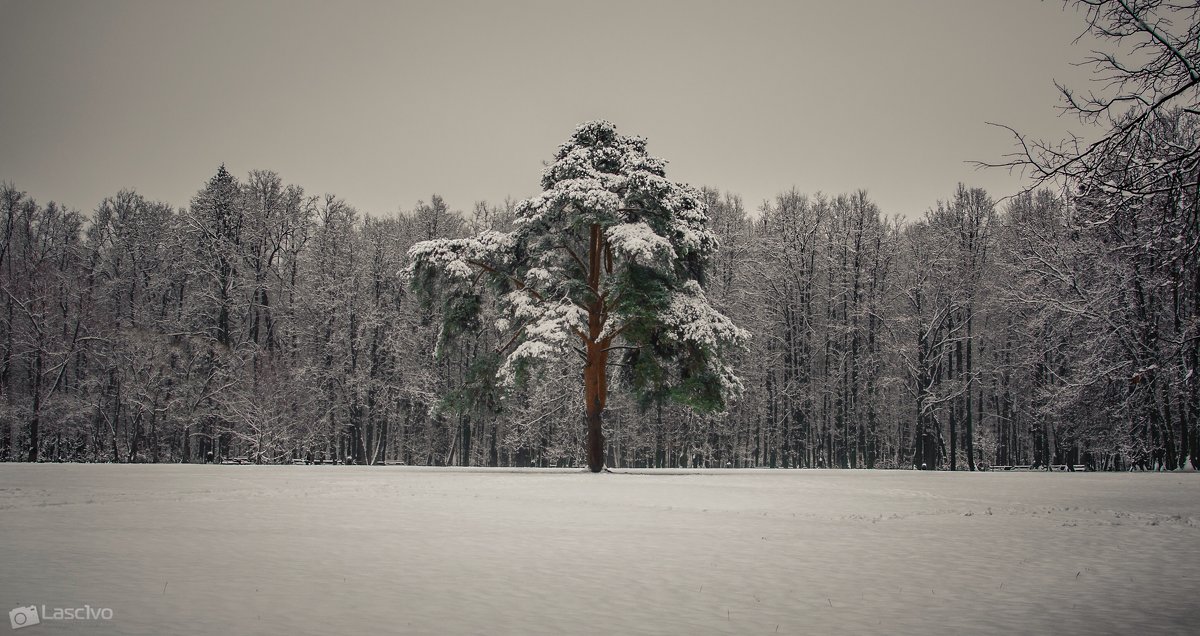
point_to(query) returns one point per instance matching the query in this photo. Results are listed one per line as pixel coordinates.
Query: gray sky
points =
(385, 103)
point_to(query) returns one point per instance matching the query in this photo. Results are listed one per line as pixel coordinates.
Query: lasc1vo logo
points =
(26, 616)
(23, 617)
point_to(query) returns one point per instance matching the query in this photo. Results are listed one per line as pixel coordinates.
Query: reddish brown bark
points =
(595, 370)
(595, 393)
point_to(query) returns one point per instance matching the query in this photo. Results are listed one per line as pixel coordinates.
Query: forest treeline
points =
(1057, 327)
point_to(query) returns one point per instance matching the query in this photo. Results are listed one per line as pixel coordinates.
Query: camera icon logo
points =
(23, 617)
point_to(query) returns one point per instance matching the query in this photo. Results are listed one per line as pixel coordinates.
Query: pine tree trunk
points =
(595, 376)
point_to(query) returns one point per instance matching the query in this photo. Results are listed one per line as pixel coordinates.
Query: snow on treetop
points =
(601, 176)
(600, 132)
(645, 163)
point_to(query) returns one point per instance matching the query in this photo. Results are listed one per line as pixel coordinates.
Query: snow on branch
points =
(590, 194)
(692, 320)
(551, 329)
(638, 241)
(460, 258)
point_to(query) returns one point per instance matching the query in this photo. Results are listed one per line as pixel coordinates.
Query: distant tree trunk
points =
(36, 390)
(134, 439)
(970, 423)
(154, 431)
(465, 444)
(186, 443)
(953, 361)
(493, 451)
(115, 384)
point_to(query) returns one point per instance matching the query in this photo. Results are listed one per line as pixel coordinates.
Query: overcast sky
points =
(384, 103)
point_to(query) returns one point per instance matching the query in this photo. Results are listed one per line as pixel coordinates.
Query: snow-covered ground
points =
(343, 550)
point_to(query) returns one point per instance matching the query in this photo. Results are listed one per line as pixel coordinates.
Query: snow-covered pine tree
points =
(609, 258)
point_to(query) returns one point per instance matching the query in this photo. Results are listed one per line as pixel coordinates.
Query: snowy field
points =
(342, 550)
